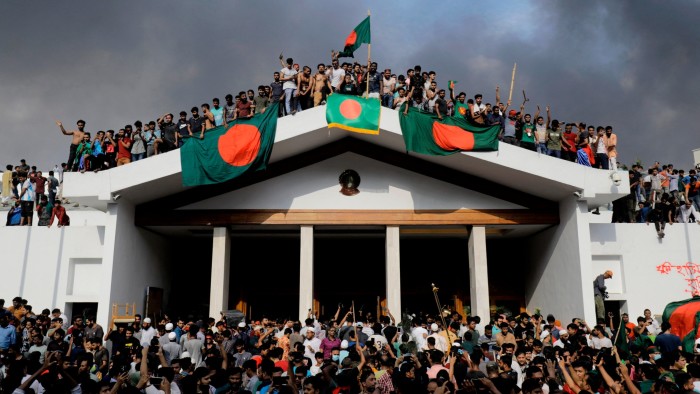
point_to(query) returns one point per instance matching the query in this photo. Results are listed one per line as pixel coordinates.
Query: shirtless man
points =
(77, 138)
(208, 120)
(304, 92)
(318, 82)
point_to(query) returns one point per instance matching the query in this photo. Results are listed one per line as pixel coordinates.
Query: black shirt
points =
(182, 128)
(167, 131)
(196, 124)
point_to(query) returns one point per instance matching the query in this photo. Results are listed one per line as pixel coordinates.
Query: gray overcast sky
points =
(629, 64)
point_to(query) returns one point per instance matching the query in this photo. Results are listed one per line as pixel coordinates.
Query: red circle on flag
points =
(240, 145)
(350, 109)
(352, 38)
(450, 137)
(462, 111)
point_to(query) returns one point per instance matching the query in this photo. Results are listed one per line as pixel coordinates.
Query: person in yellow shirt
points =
(612, 147)
(7, 184)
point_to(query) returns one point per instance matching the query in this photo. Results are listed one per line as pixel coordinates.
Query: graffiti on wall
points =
(689, 271)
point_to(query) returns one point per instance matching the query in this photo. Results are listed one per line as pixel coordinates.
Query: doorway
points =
(349, 266)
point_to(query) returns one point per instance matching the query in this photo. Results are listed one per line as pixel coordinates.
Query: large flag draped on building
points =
(353, 113)
(361, 34)
(684, 317)
(425, 133)
(230, 150)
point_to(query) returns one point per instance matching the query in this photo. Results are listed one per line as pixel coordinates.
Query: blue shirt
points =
(7, 336)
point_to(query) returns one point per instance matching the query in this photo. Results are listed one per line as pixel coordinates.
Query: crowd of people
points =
(297, 89)
(344, 353)
(661, 195)
(26, 190)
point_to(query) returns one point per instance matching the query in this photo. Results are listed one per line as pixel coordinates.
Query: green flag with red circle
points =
(353, 113)
(361, 34)
(427, 134)
(229, 151)
(684, 317)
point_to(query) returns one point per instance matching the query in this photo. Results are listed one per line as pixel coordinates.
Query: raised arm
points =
(337, 313)
(549, 117)
(391, 317)
(631, 388)
(345, 318)
(498, 94)
(143, 371)
(48, 361)
(60, 125)
(567, 377)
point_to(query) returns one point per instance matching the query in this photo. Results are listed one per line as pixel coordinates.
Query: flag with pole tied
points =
(229, 151)
(427, 134)
(360, 34)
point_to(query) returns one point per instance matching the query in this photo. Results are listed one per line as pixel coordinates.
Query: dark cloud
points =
(625, 63)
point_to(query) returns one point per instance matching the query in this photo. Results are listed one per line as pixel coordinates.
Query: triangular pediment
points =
(383, 187)
(394, 187)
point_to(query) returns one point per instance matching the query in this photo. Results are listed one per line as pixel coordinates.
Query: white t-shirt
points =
(286, 73)
(600, 343)
(418, 337)
(29, 194)
(315, 344)
(336, 76)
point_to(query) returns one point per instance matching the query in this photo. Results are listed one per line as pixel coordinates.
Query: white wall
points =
(560, 261)
(382, 186)
(636, 254)
(38, 263)
(140, 259)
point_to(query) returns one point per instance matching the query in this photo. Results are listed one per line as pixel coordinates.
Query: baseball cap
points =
(169, 327)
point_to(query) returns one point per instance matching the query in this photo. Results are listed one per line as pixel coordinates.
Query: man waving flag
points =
(361, 34)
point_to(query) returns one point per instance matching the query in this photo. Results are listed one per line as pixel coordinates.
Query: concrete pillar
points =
(478, 275)
(220, 270)
(306, 271)
(393, 271)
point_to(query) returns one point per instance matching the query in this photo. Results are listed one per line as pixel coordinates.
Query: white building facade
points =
(494, 230)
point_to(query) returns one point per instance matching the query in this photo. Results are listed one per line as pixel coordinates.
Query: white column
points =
(478, 275)
(306, 271)
(220, 267)
(393, 271)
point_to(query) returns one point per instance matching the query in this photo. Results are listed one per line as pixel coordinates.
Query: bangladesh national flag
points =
(684, 317)
(229, 151)
(361, 34)
(353, 113)
(621, 339)
(425, 133)
(461, 108)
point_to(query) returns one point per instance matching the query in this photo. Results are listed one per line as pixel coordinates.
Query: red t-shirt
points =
(284, 364)
(124, 152)
(39, 182)
(571, 140)
(243, 109)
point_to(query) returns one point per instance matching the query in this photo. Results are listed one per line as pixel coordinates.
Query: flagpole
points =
(512, 81)
(369, 52)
